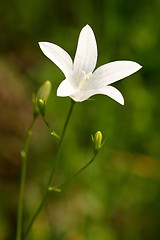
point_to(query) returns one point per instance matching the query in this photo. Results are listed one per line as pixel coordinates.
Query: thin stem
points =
(53, 170)
(53, 133)
(87, 165)
(79, 171)
(24, 157)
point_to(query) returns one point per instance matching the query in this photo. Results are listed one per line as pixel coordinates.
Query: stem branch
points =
(53, 170)
(24, 157)
(79, 171)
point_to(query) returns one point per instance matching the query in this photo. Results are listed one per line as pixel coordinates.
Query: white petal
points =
(112, 72)
(110, 91)
(65, 89)
(57, 55)
(86, 53)
(113, 93)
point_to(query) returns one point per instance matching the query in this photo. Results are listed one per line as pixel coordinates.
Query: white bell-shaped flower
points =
(81, 80)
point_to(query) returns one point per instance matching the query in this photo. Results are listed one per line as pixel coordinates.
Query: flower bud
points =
(42, 96)
(44, 91)
(41, 106)
(97, 141)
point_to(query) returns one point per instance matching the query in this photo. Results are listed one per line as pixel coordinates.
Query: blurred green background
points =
(118, 196)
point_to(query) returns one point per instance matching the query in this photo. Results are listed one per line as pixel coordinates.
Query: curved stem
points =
(24, 157)
(79, 171)
(83, 168)
(54, 167)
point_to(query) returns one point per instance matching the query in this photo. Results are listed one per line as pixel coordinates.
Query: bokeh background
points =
(118, 196)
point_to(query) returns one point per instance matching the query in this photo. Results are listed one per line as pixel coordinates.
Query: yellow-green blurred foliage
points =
(118, 196)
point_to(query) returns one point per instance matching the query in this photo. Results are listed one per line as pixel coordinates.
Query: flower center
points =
(84, 78)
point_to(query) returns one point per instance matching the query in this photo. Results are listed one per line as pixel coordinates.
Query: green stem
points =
(53, 133)
(24, 157)
(87, 165)
(54, 167)
(77, 173)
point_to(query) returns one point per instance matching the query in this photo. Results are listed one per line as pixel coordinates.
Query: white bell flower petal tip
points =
(86, 54)
(109, 91)
(82, 81)
(57, 55)
(114, 71)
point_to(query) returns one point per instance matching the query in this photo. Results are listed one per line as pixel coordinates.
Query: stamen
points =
(84, 78)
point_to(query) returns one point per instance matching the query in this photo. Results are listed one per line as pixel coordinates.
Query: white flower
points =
(81, 81)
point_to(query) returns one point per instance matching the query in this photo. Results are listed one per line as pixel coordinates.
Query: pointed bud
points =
(42, 96)
(97, 141)
(44, 91)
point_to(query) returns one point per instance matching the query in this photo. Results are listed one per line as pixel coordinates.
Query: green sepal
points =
(35, 107)
(41, 104)
(53, 133)
(55, 189)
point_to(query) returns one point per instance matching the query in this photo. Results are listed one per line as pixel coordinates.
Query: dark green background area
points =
(118, 196)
